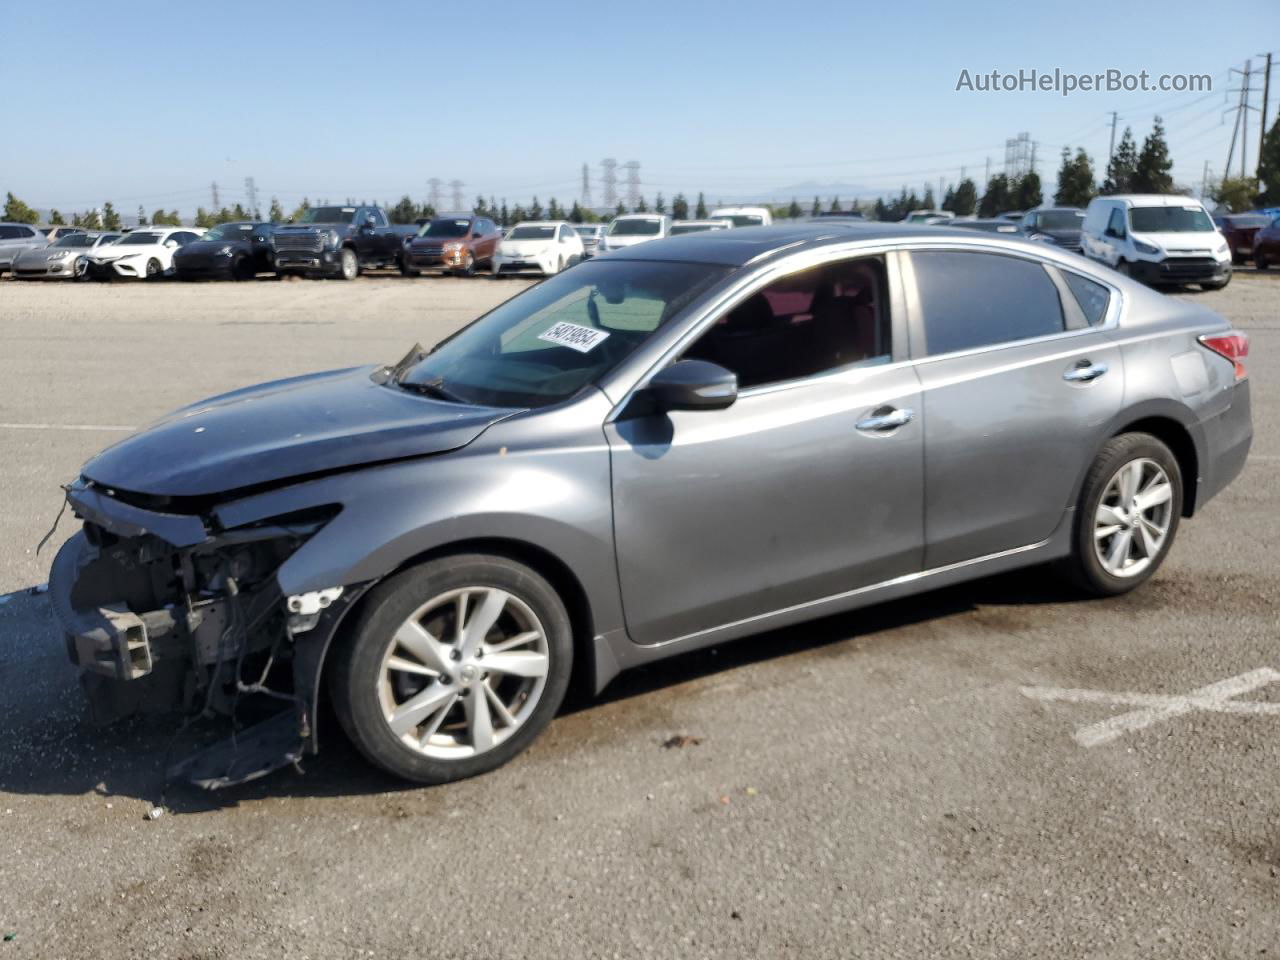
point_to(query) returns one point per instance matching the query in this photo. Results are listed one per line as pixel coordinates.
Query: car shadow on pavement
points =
(47, 748)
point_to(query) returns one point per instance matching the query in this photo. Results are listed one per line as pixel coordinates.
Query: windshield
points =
(140, 239)
(75, 240)
(546, 344)
(1059, 220)
(446, 228)
(741, 219)
(328, 215)
(532, 233)
(229, 231)
(1169, 220)
(635, 228)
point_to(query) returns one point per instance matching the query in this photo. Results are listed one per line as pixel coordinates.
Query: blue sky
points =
(735, 97)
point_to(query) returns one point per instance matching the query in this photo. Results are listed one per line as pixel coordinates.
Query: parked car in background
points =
(337, 241)
(229, 251)
(54, 234)
(1266, 245)
(65, 259)
(142, 254)
(632, 228)
(590, 234)
(456, 245)
(991, 225)
(927, 216)
(1060, 226)
(1011, 215)
(17, 238)
(1158, 239)
(1239, 230)
(743, 216)
(697, 226)
(547, 246)
(657, 451)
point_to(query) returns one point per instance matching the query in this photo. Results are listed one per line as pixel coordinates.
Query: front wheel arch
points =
(585, 679)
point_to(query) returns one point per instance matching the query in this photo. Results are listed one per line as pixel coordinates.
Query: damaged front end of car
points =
(167, 611)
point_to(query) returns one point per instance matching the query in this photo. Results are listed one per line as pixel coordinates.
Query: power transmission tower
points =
(251, 195)
(609, 176)
(456, 186)
(1018, 153)
(214, 187)
(1266, 97)
(633, 183)
(1241, 126)
(433, 194)
(586, 187)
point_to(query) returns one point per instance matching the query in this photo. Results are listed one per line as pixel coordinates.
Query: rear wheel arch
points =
(1174, 435)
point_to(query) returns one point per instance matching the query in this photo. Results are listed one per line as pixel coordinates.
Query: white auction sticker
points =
(582, 339)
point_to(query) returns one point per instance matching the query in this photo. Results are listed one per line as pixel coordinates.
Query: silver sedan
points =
(680, 444)
(66, 259)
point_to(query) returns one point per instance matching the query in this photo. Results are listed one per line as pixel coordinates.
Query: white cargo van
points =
(1158, 239)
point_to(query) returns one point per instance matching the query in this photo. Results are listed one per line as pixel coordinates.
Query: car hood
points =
(114, 251)
(205, 247)
(1200, 241)
(285, 429)
(1072, 234)
(629, 240)
(525, 248)
(312, 228)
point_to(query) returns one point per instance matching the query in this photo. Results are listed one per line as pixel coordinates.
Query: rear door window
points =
(971, 300)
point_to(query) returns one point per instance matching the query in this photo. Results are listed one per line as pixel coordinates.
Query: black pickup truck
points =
(340, 242)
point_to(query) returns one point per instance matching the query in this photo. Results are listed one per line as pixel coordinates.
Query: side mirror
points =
(694, 385)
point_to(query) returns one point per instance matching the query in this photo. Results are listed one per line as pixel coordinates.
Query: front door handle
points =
(1085, 371)
(886, 418)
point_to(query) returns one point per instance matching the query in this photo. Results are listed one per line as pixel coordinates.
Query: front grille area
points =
(306, 242)
(1189, 267)
(428, 249)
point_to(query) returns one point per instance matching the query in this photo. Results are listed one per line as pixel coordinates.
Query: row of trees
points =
(1132, 169)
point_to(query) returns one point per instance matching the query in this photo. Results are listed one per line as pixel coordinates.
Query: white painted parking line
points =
(1215, 698)
(65, 426)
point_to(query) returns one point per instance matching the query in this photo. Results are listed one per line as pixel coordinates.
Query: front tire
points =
(348, 264)
(453, 667)
(468, 266)
(154, 269)
(1260, 261)
(1127, 515)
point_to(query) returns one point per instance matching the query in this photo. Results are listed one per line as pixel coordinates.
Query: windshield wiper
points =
(433, 388)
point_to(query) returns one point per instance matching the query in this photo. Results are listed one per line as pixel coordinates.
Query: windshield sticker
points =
(582, 339)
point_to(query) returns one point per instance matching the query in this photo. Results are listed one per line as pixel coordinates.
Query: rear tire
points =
(1127, 515)
(410, 621)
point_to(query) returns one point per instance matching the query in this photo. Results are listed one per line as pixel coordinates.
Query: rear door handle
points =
(1085, 371)
(886, 418)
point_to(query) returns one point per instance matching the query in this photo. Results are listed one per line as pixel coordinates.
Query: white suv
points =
(1157, 238)
(632, 228)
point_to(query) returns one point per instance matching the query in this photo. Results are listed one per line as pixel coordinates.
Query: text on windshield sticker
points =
(582, 339)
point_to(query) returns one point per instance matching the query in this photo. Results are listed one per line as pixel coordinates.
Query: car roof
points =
(1154, 199)
(742, 245)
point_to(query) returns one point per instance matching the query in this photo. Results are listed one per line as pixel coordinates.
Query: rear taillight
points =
(1233, 346)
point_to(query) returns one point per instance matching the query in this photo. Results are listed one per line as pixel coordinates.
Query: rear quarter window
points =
(1092, 296)
(971, 300)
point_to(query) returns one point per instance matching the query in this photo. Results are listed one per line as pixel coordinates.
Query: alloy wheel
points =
(1131, 523)
(463, 672)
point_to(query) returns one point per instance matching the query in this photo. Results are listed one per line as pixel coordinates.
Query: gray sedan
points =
(15, 239)
(678, 445)
(66, 259)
